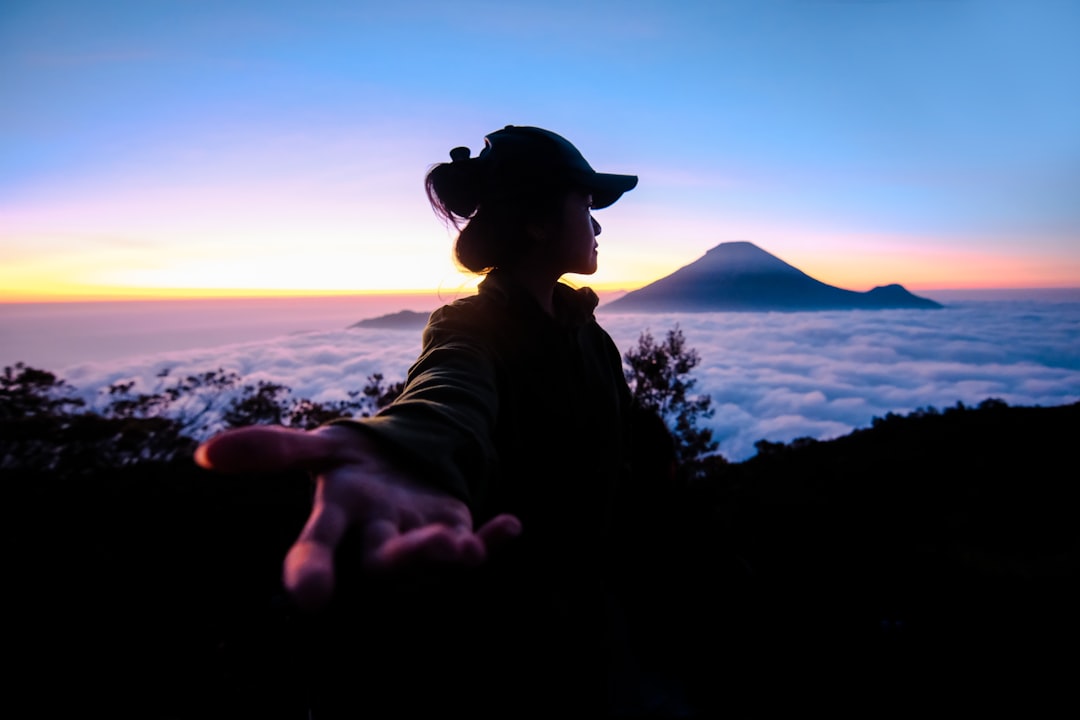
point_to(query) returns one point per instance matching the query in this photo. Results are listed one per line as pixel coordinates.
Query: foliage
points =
(930, 411)
(45, 427)
(192, 402)
(659, 378)
(267, 403)
(27, 392)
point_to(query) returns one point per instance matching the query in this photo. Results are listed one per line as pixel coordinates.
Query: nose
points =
(595, 226)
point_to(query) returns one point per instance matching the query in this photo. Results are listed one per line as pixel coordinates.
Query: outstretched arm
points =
(403, 523)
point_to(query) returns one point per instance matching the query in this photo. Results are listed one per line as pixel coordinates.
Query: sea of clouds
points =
(772, 376)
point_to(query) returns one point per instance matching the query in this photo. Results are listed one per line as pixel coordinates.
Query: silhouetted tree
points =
(45, 428)
(267, 403)
(29, 392)
(659, 378)
(261, 404)
(380, 396)
(192, 402)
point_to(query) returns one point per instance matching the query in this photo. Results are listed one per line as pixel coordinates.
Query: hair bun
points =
(460, 154)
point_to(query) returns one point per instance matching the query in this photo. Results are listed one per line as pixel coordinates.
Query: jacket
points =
(512, 410)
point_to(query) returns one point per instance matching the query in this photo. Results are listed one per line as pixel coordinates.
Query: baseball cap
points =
(519, 158)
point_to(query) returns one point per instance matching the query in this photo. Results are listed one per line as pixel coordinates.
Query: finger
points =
(309, 565)
(266, 448)
(499, 530)
(431, 545)
(376, 535)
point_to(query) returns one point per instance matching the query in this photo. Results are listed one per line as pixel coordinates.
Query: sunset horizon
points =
(183, 151)
(179, 294)
(937, 278)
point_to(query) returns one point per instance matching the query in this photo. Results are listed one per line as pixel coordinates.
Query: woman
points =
(507, 448)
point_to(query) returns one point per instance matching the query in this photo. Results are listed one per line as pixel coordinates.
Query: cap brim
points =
(607, 188)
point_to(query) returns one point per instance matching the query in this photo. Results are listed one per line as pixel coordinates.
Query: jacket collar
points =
(573, 307)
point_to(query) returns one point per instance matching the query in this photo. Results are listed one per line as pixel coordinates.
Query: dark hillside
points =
(931, 558)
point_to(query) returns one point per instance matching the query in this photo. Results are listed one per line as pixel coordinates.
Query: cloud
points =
(773, 376)
(779, 376)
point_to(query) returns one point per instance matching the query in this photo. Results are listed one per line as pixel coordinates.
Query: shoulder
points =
(496, 303)
(474, 324)
(474, 312)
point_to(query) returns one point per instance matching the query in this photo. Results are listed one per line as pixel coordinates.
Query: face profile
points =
(576, 240)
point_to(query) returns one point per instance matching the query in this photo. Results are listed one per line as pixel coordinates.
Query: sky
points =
(771, 376)
(176, 148)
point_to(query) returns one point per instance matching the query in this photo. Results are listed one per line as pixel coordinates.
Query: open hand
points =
(402, 522)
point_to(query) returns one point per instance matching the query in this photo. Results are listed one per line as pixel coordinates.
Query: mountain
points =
(402, 320)
(740, 276)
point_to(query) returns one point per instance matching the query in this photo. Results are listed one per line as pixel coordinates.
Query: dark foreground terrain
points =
(925, 566)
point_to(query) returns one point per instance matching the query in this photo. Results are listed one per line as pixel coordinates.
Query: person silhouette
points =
(489, 488)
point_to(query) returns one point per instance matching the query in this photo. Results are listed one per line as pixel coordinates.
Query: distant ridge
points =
(402, 320)
(740, 276)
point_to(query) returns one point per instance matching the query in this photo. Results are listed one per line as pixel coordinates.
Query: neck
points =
(540, 285)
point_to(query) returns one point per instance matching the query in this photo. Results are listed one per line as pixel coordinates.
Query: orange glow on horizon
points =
(857, 265)
(967, 273)
(924, 264)
(604, 289)
(114, 294)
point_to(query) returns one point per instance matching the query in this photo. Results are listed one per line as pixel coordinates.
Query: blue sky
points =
(150, 147)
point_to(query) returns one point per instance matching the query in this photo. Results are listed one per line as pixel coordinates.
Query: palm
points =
(402, 523)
